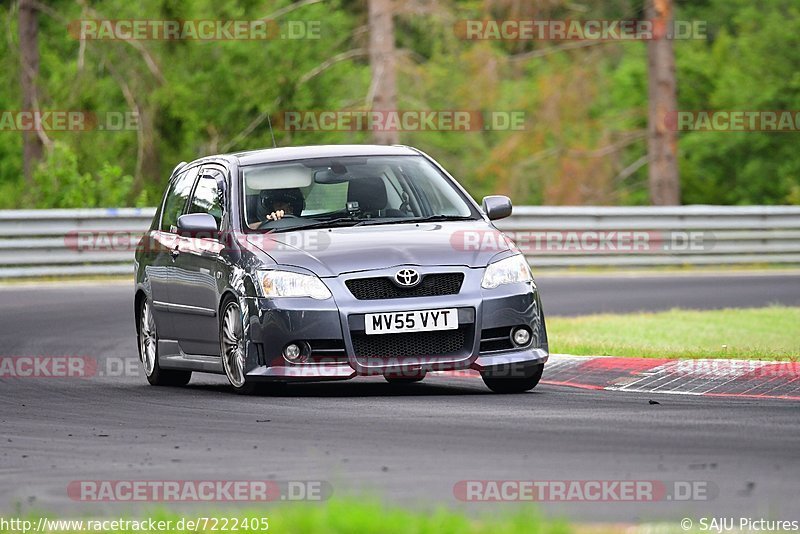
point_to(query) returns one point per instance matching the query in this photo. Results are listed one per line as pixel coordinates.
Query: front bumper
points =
(337, 326)
(515, 364)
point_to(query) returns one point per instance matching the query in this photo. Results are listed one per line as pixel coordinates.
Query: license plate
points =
(412, 321)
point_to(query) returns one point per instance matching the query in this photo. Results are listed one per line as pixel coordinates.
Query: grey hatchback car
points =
(331, 262)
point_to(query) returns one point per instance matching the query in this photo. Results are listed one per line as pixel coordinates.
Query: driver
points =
(277, 203)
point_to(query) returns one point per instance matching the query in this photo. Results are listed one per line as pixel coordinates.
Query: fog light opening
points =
(521, 336)
(296, 352)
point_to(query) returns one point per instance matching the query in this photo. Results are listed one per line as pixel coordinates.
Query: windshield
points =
(349, 191)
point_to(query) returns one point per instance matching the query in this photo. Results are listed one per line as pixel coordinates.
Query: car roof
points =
(270, 155)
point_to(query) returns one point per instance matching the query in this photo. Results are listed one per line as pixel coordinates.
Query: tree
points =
(662, 140)
(32, 144)
(383, 62)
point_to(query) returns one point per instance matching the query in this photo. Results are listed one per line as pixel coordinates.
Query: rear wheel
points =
(148, 352)
(505, 384)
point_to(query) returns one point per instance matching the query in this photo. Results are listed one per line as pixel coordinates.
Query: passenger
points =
(275, 204)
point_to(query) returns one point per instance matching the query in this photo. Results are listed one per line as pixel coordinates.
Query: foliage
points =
(57, 183)
(585, 108)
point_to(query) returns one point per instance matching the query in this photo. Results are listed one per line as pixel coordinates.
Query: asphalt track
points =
(408, 445)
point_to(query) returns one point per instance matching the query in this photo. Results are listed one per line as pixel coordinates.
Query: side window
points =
(207, 198)
(176, 199)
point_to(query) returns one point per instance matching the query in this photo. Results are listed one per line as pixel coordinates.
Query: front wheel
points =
(148, 352)
(232, 348)
(504, 384)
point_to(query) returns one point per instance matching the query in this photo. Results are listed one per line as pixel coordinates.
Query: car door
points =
(197, 271)
(161, 245)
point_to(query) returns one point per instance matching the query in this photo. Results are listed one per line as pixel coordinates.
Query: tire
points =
(501, 384)
(402, 380)
(148, 352)
(232, 347)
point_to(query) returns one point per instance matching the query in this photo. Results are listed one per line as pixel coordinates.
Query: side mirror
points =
(496, 207)
(201, 225)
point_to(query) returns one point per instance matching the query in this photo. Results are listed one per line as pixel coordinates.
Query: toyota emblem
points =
(407, 277)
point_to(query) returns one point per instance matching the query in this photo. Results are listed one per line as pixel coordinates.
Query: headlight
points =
(287, 284)
(507, 271)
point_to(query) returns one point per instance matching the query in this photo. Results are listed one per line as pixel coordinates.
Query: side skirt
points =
(172, 357)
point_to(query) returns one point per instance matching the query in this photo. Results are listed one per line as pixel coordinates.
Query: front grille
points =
(330, 351)
(432, 285)
(494, 339)
(418, 344)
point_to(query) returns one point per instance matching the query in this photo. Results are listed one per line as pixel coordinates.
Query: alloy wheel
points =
(147, 340)
(233, 345)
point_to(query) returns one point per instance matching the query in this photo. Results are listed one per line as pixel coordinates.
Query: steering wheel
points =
(287, 216)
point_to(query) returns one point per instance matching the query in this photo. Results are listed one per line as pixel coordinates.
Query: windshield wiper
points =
(432, 218)
(319, 224)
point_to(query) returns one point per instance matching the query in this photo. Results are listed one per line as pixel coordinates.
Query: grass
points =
(771, 333)
(352, 516)
(348, 516)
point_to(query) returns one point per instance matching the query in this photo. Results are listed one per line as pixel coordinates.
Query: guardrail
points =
(38, 243)
(663, 236)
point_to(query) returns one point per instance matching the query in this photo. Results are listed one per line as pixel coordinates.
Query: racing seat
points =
(370, 193)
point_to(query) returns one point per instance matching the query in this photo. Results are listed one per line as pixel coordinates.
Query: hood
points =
(331, 252)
